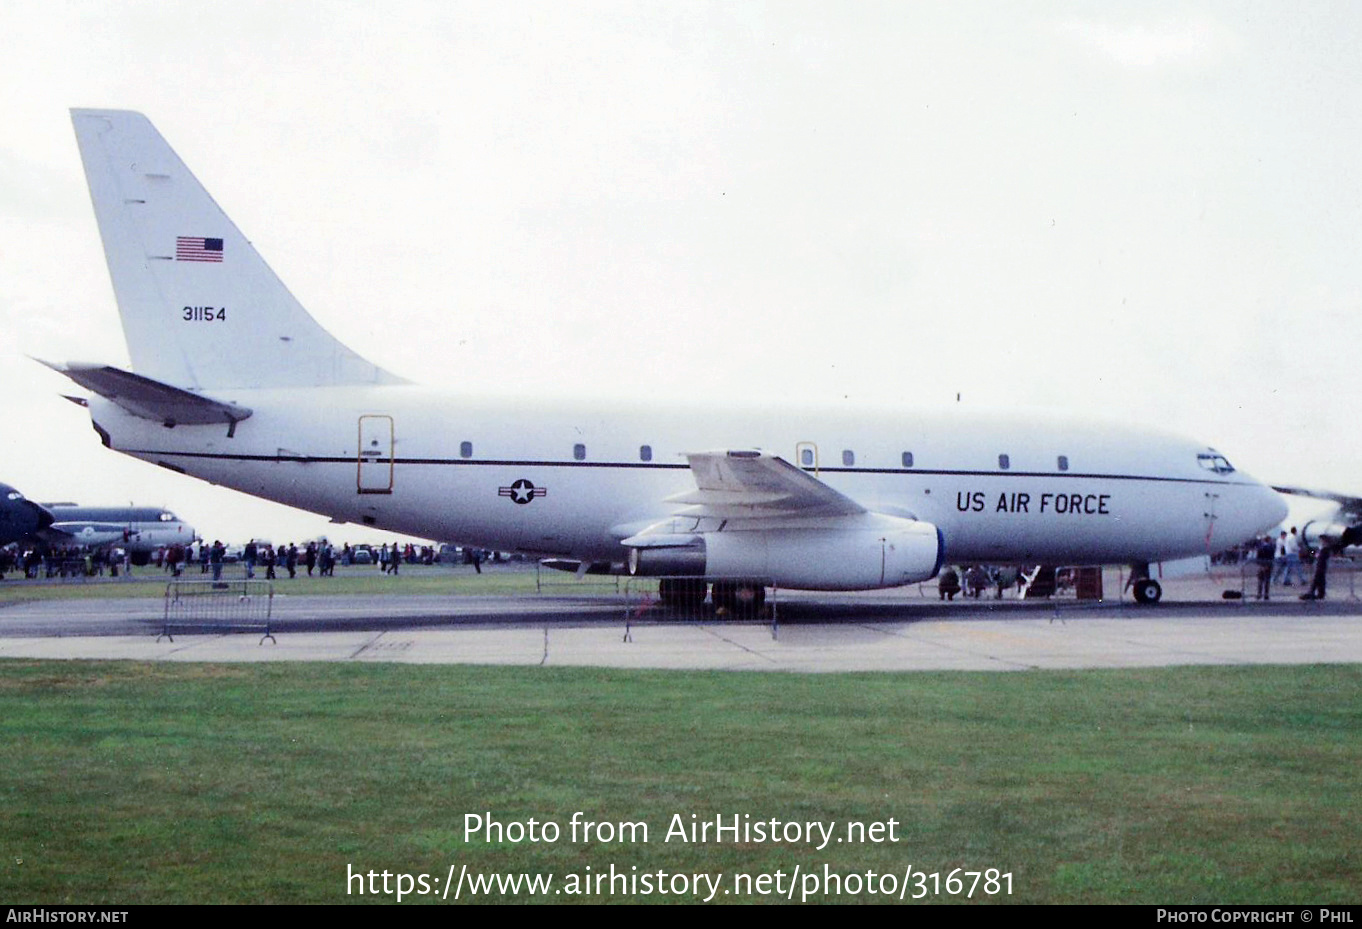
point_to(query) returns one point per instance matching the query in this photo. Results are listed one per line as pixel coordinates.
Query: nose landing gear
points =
(1146, 590)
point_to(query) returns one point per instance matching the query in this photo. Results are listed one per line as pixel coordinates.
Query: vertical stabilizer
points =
(200, 308)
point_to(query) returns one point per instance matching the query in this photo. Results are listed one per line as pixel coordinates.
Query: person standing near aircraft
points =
(215, 557)
(948, 584)
(1265, 556)
(1317, 583)
(1291, 559)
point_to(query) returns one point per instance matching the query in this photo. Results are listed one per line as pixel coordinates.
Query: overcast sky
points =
(1149, 211)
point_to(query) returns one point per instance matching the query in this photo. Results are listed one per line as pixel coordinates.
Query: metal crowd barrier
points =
(237, 605)
(643, 603)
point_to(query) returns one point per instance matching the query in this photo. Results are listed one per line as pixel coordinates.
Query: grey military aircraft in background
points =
(141, 530)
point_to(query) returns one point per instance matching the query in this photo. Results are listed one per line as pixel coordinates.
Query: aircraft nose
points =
(41, 516)
(1264, 510)
(1274, 507)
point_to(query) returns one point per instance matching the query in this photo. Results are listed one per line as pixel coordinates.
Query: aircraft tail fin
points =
(200, 308)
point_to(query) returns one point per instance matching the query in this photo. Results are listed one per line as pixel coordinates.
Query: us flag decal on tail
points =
(197, 248)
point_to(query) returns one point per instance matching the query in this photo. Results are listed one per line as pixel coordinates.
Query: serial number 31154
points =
(205, 314)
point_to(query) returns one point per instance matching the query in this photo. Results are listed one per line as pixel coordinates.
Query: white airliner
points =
(236, 384)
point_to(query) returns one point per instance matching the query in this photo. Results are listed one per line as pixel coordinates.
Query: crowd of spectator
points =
(318, 558)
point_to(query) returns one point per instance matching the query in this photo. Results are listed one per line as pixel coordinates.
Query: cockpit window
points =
(1213, 461)
(15, 495)
(166, 517)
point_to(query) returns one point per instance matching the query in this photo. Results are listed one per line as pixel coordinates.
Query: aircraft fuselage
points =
(572, 481)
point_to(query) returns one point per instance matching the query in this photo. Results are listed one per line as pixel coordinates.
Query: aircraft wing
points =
(754, 484)
(1341, 526)
(84, 533)
(754, 515)
(1351, 506)
(150, 399)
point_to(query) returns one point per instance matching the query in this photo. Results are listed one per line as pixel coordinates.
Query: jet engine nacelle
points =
(1313, 532)
(859, 558)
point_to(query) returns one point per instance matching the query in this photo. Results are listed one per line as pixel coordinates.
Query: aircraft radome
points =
(20, 517)
(235, 383)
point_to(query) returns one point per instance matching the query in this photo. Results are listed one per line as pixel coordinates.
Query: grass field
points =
(352, 581)
(134, 783)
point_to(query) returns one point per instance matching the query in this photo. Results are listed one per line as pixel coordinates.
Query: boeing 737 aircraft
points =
(233, 382)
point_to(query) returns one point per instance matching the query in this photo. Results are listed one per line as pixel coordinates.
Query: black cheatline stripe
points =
(656, 466)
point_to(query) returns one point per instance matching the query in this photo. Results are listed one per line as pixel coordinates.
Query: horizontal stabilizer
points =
(149, 399)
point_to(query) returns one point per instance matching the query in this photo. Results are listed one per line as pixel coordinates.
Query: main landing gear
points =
(742, 600)
(1145, 588)
(739, 599)
(682, 593)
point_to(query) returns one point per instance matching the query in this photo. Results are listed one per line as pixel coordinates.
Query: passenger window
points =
(907, 459)
(645, 453)
(1063, 462)
(1004, 462)
(579, 452)
(806, 457)
(848, 457)
(466, 449)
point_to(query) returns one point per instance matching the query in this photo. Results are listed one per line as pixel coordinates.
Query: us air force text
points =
(1020, 502)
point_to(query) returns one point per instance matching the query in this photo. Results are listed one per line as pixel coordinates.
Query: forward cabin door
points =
(1212, 502)
(375, 455)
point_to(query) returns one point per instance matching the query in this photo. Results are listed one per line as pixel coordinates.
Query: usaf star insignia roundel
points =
(522, 491)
